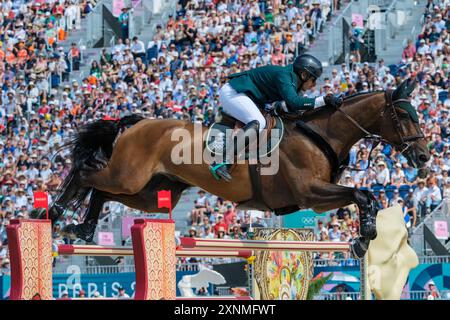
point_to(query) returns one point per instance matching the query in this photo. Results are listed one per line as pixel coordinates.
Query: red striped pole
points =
(94, 250)
(225, 244)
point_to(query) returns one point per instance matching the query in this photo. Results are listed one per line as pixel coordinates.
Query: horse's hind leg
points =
(86, 230)
(145, 200)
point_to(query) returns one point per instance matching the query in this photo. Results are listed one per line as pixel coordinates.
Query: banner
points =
(164, 199)
(106, 238)
(106, 284)
(358, 19)
(41, 200)
(117, 7)
(441, 230)
(302, 219)
(127, 222)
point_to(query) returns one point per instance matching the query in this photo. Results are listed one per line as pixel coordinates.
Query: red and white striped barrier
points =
(30, 245)
(154, 251)
(95, 250)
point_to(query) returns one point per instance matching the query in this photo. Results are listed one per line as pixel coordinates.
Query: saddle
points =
(267, 145)
(227, 122)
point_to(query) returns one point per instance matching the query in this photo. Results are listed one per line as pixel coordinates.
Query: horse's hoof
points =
(69, 232)
(359, 247)
(38, 213)
(84, 231)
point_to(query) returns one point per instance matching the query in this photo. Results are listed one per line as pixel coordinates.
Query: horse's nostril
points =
(423, 158)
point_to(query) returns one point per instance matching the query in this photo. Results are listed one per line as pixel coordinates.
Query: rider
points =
(247, 92)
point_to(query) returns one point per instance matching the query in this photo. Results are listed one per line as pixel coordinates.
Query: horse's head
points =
(400, 127)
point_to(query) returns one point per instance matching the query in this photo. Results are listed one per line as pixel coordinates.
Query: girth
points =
(337, 164)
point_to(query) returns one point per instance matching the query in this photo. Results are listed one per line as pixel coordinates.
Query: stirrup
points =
(214, 168)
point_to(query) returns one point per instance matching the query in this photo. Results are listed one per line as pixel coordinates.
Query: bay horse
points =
(132, 168)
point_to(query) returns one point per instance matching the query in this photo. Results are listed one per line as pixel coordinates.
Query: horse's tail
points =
(89, 139)
(100, 134)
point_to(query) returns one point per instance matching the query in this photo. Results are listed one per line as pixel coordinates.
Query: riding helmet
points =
(308, 63)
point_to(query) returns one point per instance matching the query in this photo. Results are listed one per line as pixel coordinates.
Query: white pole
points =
(366, 293)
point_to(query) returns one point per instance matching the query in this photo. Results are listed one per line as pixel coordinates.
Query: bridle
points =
(406, 141)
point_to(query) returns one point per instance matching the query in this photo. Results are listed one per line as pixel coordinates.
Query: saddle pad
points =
(216, 137)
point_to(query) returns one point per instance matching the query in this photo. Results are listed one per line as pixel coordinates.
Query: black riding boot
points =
(221, 170)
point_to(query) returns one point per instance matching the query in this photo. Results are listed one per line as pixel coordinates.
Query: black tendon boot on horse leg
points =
(367, 217)
(86, 230)
(359, 246)
(367, 213)
(54, 212)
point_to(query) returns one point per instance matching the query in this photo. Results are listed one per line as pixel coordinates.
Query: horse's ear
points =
(411, 86)
(399, 93)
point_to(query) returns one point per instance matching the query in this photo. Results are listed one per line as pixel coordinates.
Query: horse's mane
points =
(357, 96)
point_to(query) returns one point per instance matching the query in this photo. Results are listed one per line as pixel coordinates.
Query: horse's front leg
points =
(324, 196)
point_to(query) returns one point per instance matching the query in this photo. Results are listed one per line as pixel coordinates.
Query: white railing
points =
(392, 21)
(338, 296)
(139, 17)
(94, 22)
(432, 214)
(407, 295)
(110, 269)
(434, 259)
(441, 212)
(188, 266)
(423, 295)
(337, 38)
(114, 269)
(336, 262)
(355, 262)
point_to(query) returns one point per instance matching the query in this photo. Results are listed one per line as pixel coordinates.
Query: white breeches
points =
(240, 106)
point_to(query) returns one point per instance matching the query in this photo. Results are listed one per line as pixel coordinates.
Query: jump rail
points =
(272, 245)
(95, 250)
(154, 252)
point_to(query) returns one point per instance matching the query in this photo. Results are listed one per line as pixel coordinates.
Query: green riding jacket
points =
(269, 84)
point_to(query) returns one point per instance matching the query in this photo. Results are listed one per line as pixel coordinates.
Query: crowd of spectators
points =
(178, 75)
(212, 217)
(389, 175)
(32, 121)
